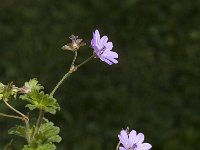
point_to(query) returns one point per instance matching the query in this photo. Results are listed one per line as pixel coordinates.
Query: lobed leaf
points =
(18, 130)
(33, 85)
(49, 132)
(42, 101)
(47, 135)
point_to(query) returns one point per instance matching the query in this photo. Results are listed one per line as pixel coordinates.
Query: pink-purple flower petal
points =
(104, 40)
(132, 136)
(123, 138)
(106, 60)
(144, 146)
(102, 48)
(121, 148)
(108, 46)
(139, 138)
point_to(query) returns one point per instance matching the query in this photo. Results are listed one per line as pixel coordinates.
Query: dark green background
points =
(155, 88)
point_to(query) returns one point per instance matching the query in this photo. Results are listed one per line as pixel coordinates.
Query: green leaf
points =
(33, 84)
(48, 146)
(18, 130)
(49, 132)
(31, 107)
(41, 101)
(47, 135)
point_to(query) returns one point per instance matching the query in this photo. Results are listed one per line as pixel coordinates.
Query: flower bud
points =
(74, 45)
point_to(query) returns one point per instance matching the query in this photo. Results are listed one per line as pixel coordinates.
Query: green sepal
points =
(40, 100)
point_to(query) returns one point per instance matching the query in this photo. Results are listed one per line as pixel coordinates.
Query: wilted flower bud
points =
(74, 45)
(24, 89)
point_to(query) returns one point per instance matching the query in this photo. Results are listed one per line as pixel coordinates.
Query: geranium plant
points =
(42, 134)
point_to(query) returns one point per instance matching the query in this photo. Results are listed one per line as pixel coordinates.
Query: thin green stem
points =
(39, 121)
(23, 118)
(71, 70)
(59, 83)
(18, 112)
(84, 62)
(74, 59)
(11, 116)
(27, 131)
(66, 75)
(41, 114)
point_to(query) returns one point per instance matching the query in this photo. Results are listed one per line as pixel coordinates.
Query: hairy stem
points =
(41, 114)
(39, 121)
(59, 83)
(18, 112)
(27, 131)
(71, 70)
(23, 118)
(74, 59)
(65, 76)
(11, 116)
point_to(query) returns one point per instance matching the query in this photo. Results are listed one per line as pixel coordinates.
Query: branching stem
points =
(84, 62)
(15, 110)
(27, 131)
(11, 116)
(66, 75)
(23, 118)
(72, 69)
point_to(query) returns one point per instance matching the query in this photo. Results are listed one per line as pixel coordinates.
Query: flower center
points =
(102, 50)
(133, 147)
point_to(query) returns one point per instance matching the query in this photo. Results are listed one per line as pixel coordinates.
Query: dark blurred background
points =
(155, 88)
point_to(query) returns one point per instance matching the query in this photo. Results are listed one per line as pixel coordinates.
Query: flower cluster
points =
(102, 48)
(132, 141)
(37, 135)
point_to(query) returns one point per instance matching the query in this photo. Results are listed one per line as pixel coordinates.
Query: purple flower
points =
(132, 141)
(102, 48)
